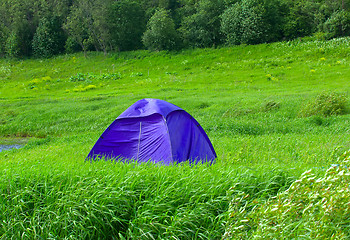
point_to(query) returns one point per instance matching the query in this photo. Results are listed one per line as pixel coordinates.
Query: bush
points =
(314, 207)
(161, 33)
(325, 104)
(252, 22)
(338, 25)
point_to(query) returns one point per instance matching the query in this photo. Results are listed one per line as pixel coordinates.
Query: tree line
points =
(44, 28)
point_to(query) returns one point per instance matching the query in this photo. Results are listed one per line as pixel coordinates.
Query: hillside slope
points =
(272, 111)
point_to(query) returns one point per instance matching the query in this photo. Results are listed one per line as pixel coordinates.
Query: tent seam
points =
(167, 130)
(138, 145)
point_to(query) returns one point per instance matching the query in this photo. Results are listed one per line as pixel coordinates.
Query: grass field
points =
(272, 111)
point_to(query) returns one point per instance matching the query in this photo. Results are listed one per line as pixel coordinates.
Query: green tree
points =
(327, 11)
(161, 33)
(202, 28)
(3, 29)
(126, 21)
(150, 7)
(49, 38)
(252, 22)
(99, 30)
(300, 19)
(2, 40)
(11, 47)
(338, 25)
(19, 41)
(19, 20)
(78, 25)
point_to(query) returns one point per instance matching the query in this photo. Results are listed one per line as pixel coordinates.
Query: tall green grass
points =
(313, 207)
(249, 100)
(49, 194)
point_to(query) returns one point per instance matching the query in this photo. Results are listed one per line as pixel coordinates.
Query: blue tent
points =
(154, 130)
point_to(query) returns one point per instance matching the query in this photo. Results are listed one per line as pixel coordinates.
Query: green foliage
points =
(300, 19)
(12, 45)
(338, 25)
(202, 29)
(71, 45)
(242, 23)
(251, 22)
(108, 25)
(80, 77)
(98, 27)
(2, 40)
(76, 28)
(326, 104)
(19, 41)
(127, 23)
(161, 33)
(316, 207)
(87, 25)
(49, 38)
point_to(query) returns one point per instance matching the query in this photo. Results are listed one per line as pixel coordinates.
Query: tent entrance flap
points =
(154, 141)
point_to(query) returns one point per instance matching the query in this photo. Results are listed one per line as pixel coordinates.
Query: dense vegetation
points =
(48, 27)
(272, 111)
(319, 204)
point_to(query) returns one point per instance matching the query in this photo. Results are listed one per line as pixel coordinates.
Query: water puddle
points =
(8, 147)
(12, 143)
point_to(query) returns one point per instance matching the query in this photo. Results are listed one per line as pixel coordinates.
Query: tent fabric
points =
(157, 131)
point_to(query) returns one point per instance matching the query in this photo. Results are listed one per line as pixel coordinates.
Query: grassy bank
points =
(251, 100)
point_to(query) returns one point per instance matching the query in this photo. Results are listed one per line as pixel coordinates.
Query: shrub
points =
(88, 78)
(314, 207)
(325, 104)
(79, 77)
(338, 25)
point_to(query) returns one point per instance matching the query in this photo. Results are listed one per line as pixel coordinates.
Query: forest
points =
(45, 28)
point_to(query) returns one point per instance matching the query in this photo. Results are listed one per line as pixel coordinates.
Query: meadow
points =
(272, 112)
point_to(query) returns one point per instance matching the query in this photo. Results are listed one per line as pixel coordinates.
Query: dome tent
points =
(157, 131)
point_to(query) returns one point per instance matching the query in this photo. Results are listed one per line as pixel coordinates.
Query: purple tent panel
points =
(154, 130)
